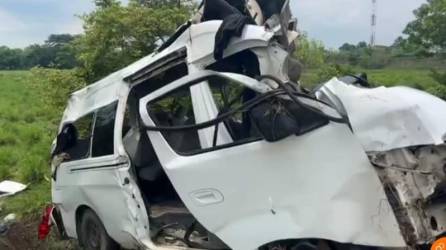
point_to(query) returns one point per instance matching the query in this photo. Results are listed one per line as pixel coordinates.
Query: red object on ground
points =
(46, 223)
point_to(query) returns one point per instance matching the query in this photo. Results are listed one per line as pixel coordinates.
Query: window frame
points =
(188, 82)
(88, 156)
(116, 103)
(91, 135)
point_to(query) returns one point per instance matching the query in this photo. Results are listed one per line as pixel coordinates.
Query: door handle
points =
(206, 197)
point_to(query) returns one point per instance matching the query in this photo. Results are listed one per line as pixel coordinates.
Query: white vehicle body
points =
(318, 185)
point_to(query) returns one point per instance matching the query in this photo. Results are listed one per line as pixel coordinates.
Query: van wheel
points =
(92, 234)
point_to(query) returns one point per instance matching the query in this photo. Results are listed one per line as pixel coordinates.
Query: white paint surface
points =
(8, 188)
(390, 118)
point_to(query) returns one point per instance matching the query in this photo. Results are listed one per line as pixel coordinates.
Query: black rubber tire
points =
(92, 234)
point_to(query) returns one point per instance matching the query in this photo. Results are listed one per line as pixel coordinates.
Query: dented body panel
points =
(390, 118)
(280, 191)
(403, 132)
(277, 191)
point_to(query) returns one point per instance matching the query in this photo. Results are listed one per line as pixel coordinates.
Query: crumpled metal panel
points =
(414, 180)
(389, 118)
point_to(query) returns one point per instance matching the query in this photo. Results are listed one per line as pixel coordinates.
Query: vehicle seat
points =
(143, 156)
(181, 141)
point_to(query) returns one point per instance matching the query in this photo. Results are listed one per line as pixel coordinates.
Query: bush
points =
(439, 77)
(55, 86)
(332, 70)
(439, 91)
(375, 61)
(311, 53)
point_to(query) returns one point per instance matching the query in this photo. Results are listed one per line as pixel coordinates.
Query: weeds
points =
(439, 77)
(25, 141)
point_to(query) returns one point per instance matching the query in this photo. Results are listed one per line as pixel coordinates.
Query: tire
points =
(92, 234)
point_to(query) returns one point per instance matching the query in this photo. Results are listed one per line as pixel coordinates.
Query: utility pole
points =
(373, 21)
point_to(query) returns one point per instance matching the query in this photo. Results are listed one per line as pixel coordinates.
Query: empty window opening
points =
(79, 138)
(229, 95)
(176, 110)
(104, 128)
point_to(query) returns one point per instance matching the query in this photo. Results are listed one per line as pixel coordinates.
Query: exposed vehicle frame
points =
(348, 176)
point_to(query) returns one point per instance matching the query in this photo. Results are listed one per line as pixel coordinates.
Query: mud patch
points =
(22, 235)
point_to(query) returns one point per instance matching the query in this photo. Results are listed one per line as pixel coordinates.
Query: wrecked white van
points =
(199, 147)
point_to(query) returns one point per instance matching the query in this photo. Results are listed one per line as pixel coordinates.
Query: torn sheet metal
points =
(8, 188)
(285, 201)
(389, 118)
(414, 180)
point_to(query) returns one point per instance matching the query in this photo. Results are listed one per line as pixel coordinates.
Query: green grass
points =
(411, 78)
(25, 140)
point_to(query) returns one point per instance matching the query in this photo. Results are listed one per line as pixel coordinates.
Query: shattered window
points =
(103, 135)
(176, 110)
(229, 95)
(80, 147)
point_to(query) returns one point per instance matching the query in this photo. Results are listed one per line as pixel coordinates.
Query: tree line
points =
(56, 52)
(116, 35)
(422, 45)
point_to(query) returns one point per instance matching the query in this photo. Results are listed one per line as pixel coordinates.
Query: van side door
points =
(94, 175)
(248, 191)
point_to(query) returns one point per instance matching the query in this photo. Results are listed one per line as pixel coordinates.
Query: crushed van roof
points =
(199, 39)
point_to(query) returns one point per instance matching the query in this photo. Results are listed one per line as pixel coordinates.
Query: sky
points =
(334, 22)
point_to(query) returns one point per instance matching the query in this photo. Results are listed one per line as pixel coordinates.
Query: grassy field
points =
(25, 140)
(26, 132)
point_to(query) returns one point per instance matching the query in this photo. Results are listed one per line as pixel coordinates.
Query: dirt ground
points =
(23, 236)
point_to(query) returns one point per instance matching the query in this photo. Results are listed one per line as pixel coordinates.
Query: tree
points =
(59, 46)
(10, 59)
(38, 55)
(161, 3)
(56, 52)
(428, 30)
(399, 42)
(310, 52)
(352, 54)
(347, 47)
(57, 40)
(117, 35)
(104, 3)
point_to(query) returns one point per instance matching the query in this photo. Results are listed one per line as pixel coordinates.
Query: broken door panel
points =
(273, 191)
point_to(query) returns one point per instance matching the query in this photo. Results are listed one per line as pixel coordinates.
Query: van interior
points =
(171, 224)
(170, 221)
